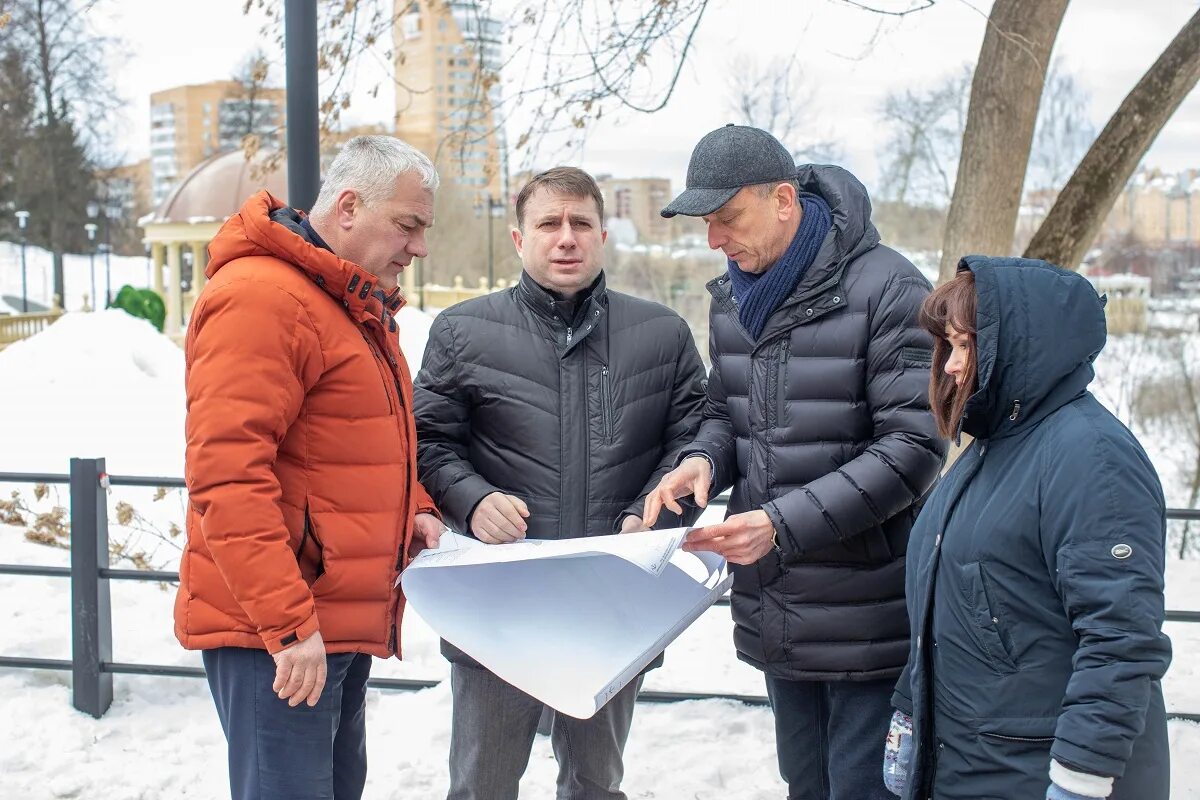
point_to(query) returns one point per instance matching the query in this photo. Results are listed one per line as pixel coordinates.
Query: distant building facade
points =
(447, 66)
(1157, 209)
(189, 124)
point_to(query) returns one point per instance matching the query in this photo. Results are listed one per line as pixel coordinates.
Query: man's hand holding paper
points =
(500, 518)
(741, 538)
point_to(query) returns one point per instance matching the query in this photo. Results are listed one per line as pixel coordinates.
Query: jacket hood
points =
(852, 233)
(266, 226)
(1039, 329)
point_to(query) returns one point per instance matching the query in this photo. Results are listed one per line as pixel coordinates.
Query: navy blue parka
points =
(1035, 571)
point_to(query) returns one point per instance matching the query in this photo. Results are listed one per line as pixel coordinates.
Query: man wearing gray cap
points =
(818, 416)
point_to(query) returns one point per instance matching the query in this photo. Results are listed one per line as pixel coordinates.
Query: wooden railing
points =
(14, 328)
(445, 296)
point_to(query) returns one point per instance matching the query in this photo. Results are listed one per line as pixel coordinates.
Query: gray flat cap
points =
(723, 162)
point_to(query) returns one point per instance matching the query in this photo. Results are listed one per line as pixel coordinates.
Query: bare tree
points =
(777, 97)
(574, 60)
(67, 61)
(1063, 131)
(921, 155)
(251, 119)
(1005, 93)
(1081, 207)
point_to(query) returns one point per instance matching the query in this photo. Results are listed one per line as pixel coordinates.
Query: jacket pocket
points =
(606, 404)
(311, 554)
(785, 352)
(1019, 740)
(987, 618)
(1019, 751)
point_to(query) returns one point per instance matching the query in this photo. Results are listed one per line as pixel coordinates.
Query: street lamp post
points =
(494, 209)
(22, 221)
(91, 232)
(111, 211)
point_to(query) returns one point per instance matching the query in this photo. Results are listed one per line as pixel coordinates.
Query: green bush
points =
(143, 303)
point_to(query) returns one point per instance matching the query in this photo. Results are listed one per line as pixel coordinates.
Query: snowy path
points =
(161, 738)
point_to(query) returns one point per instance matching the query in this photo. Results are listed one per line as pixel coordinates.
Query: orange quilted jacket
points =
(300, 463)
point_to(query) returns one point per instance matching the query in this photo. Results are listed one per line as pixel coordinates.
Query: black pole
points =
(303, 139)
(92, 269)
(91, 618)
(107, 260)
(24, 285)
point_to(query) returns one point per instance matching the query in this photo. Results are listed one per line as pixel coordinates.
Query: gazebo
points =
(183, 224)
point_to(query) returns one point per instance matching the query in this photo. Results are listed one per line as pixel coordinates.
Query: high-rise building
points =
(189, 124)
(447, 90)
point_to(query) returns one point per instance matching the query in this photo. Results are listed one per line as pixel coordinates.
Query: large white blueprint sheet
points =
(567, 621)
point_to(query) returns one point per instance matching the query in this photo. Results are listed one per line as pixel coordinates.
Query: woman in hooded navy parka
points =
(1035, 570)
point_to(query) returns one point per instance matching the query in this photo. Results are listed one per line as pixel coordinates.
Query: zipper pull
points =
(1016, 412)
(604, 372)
(570, 334)
(783, 354)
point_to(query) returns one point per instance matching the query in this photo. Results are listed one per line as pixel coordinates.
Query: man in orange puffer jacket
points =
(301, 469)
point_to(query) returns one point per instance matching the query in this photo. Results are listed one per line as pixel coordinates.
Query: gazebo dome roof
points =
(217, 187)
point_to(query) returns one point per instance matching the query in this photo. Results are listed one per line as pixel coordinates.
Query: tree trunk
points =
(1082, 206)
(1005, 94)
(45, 67)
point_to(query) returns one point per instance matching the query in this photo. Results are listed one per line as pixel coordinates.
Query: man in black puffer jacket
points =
(818, 416)
(544, 411)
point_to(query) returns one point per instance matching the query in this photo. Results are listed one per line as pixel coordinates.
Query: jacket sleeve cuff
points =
(719, 482)
(1079, 782)
(282, 641)
(460, 500)
(666, 517)
(1084, 760)
(425, 504)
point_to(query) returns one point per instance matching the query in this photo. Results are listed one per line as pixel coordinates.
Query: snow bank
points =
(93, 384)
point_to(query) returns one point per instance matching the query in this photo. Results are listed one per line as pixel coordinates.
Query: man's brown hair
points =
(954, 304)
(569, 181)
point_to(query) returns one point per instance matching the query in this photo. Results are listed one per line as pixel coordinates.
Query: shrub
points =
(143, 303)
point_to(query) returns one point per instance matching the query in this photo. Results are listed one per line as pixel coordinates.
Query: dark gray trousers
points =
(492, 731)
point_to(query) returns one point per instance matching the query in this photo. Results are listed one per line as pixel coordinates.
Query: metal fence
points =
(91, 665)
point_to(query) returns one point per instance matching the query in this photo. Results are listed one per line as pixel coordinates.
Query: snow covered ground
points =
(108, 385)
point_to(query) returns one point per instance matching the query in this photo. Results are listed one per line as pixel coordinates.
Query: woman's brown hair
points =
(953, 303)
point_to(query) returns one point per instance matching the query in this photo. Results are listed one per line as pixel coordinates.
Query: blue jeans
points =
(491, 735)
(277, 752)
(829, 737)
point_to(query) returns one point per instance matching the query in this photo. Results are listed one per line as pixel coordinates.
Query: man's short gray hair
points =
(370, 165)
(765, 189)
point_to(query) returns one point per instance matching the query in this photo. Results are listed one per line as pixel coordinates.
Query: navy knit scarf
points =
(759, 295)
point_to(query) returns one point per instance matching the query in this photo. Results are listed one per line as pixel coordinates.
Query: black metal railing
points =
(91, 665)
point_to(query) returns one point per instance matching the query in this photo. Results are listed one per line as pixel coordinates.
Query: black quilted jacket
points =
(824, 423)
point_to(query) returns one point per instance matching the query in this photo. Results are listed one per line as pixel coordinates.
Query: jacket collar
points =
(547, 304)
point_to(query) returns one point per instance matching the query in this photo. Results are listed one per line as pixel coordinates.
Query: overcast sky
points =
(852, 60)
